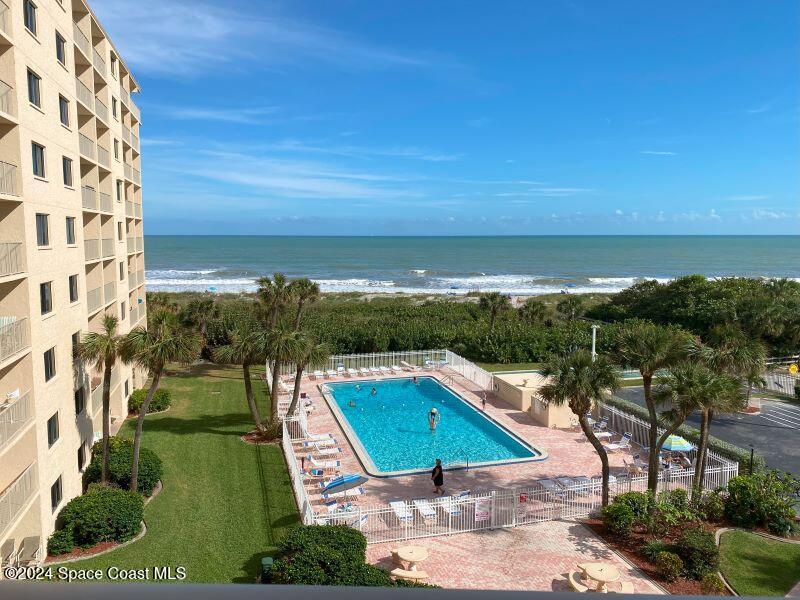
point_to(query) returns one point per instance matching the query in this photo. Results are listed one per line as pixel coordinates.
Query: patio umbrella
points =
(676, 443)
(342, 483)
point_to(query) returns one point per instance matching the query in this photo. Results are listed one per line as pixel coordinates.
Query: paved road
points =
(775, 433)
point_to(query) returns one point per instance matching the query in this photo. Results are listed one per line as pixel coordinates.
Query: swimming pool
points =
(389, 429)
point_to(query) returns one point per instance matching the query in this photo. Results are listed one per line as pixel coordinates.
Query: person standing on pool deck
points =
(437, 475)
(433, 419)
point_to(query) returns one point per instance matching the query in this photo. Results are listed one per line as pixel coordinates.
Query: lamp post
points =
(594, 341)
(752, 450)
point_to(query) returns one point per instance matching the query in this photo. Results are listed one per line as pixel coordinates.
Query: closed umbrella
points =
(676, 443)
(342, 483)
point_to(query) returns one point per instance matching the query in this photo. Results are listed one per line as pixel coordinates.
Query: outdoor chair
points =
(7, 552)
(29, 552)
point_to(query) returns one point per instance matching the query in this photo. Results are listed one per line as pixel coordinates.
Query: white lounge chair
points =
(623, 444)
(7, 552)
(351, 372)
(396, 369)
(401, 509)
(359, 491)
(449, 505)
(323, 443)
(552, 487)
(323, 464)
(318, 375)
(340, 370)
(315, 473)
(326, 450)
(425, 509)
(29, 551)
(566, 483)
(331, 373)
(363, 371)
(409, 366)
(315, 437)
(375, 370)
(385, 370)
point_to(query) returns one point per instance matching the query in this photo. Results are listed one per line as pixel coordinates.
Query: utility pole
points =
(594, 341)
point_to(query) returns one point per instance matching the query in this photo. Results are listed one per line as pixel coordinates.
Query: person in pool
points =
(415, 380)
(374, 392)
(433, 418)
(437, 475)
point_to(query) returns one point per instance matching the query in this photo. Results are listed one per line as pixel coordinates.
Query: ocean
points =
(458, 265)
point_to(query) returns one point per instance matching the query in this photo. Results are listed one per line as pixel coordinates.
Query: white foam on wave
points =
(489, 281)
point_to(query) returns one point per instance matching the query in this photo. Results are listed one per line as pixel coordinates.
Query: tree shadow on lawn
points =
(587, 543)
(236, 424)
(212, 371)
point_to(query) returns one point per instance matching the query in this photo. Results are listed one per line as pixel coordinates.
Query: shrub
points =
(100, 515)
(161, 400)
(619, 519)
(669, 510)
(712, 506)
(120, 463)
(639, 503)
(651, 549)
(669, 565)
(61, 542)
(698, 551)
(763, 499)
(712, 585)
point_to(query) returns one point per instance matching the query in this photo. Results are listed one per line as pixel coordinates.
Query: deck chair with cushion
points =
(29, 552)
(401, 510)
(323, 464)
(7, 552)
(425, 509)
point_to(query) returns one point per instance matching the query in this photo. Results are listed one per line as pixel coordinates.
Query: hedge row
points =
(120, 464)
(721, 447)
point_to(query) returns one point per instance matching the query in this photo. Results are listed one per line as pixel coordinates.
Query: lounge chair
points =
(409, 366)
(623, 444)
(326, 450)
(409, 575)
(314, 473)
(552, 487)
(402, 511)
(318, 375)
(351, 372)
(601, 424)
(396, 369)
(340, 370)
(7, 552)
(359, 491)
(323, 443)
(425, 509)
(566, 483)
(363, 371)
(375, 370)
(576, 581)
(449, 506)
(323, 464)
(315, 437)
(385, 370)
(330, 373)
(29, 552)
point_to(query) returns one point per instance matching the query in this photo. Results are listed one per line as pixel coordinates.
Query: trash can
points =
(266, 569)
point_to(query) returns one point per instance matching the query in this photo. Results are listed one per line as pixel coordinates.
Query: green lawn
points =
(529, 366)
(756, 566)
(225, 504)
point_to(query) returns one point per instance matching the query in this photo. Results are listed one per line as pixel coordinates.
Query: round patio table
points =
(412, 555)
(603, 574)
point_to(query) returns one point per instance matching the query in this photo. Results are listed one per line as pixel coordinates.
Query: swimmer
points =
(352, 403)
(358, 387)
(374, 392)
(415, 380)
(433, 419)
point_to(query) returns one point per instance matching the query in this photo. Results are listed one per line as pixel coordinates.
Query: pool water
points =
(393, 437)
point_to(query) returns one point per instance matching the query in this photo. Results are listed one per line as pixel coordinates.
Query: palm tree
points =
(305, 292)
(649, 348)
(248, 346)
(275, 294)
(283, 344)
(307, 353)
(494, 303)
(103, 349)
(580, 382)
(163, 342)
(532, 312)
(570, 308)
(199, 312)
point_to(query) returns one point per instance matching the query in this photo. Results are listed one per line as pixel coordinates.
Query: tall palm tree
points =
(570, 308)
(102, 348)
(308, 352)
(305, 292)
(283, 344)
(532, 312)
(580, 382)
(199, 312)
(164, 341)
(494, 303)
(249, 345)
(275, 294)
(649, 348)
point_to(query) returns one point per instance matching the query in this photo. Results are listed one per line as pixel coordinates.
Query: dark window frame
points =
(72, 283)
(38, 160)
(50, 367)
(46, 297)
(42, 229)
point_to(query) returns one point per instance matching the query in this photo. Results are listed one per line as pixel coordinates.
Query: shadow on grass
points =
(236, 424)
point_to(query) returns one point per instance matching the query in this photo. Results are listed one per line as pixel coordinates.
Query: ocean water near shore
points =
(458, 265)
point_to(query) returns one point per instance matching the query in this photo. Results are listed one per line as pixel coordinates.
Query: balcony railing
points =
(124, 95)
(94, 299)
(105, 202)
(91, 249)
(132, 283)
(135, 141)
(7, 99)
(131, 244)
(81, 40)
(133, 315)
(140, 276)
(139, 244)
(13, 417)
(128, 208)
(137, 210)
(14, 336)
(137, 176)
(84, 94)
(99, 63)
(88, 197)
(5, 17)
(11, 258)
(127, 168)
(102, 157)
(108, 247)
(126, 135)
(109, 292)
(86, 146)
(135, 110)
(101, 109)
(97, 398)
(8, 179)
(14, 498)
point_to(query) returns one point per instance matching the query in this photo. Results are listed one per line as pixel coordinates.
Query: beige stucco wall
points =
(520, 389)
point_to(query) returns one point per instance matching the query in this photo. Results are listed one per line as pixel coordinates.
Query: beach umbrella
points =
(676, 443)
(342, 483)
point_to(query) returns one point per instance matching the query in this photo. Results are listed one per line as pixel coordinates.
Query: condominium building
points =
(71, 250)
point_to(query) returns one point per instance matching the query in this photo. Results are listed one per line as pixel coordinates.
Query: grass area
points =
(493, 367)
(756, 566)
(225, 504)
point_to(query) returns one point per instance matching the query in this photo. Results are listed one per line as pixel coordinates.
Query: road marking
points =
(782, 422)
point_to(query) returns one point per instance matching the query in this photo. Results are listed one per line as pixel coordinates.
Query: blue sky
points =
(527, 117)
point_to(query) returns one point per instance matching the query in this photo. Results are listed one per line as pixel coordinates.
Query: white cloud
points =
(659, 152)
(748, 198)
(245, 115)
(766, 107)
(322, 147)
(768, 215)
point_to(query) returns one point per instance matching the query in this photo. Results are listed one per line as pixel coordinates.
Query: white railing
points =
(14, 498)
(102, 156)
(128, 208)
(132, 280)
(94, 299)
(135, 110)
(97, 398)
(105, 202)
(127, 170)
(84, 94)
(139, 244)
(6, 98)
(131, 245)
(126, 134)
(133, 315)
(137, 176)
(124, 96)
(469, 370)
(88, 197)
(11, 258)
(13, 417)
(300, 494)
(91, 249)
(108, 247)
(419, 358)
(109, 292)
(86, 146)
(140, 276)
(135, 141)
(5, 16)
(81, 40)
(99, 63)
(8, 179)
(14, 336)
(101, 109)
(137, 210)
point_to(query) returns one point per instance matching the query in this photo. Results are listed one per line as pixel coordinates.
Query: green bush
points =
(712, 506)
(712, 585)
(651, 549)
(161, 400)
(100, 515)
(669, 509)
(619, 519)
(763, 499)
(698, 551)
(61, 542)
(669, 565)
(120, 464)
(639, 503)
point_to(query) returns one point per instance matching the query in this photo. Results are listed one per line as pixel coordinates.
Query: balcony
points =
(84, 94)
(127, 168)
(14, 416)
(86, 146)
(131, 245)
(91, 249)
(14, 336)
(140, 276)
(135, 111)
(8, 179)
(97, 398)
(105, 202)
(102, 157)
(126, 135)
(110, 292)
(139, 244)
(132, 282)
(7, 99)
(133, 315)
(11, 258)
(101, 109)
(5, 18)
(128, 208)
(81, 41)
(108, 247)
(135, 141)
(99, 63)
(16, 496)
(124, 95)
(88, 198)
(137, 176)
(137, 210)
(94, 299)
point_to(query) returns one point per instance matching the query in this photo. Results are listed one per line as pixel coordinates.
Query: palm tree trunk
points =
(652, 438)
(273, 412)
(251, 402)
(298, 379)
(106, 421)
(601, 451)
(137, 437)
(697, 480)
(298, 315)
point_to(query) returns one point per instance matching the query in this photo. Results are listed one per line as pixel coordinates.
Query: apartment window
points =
(113, 64)
(114, 107)
(66, 166)
(119, 231)
(29, 14)
(70, 230)
(76, 339)
(119, 190)
(55, 494)
(80, 401)
(63, 110)
(34, 89)
(46, 297)
(50, 364)
(37, 153)
(127, 387)
(73, 288)
(42, 229)
(121, 271)
(61, 49)
(81, 456)
(116, 148)
(52, 430)
(122, 312)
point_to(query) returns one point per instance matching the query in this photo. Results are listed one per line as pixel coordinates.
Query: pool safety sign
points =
(483, 509)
